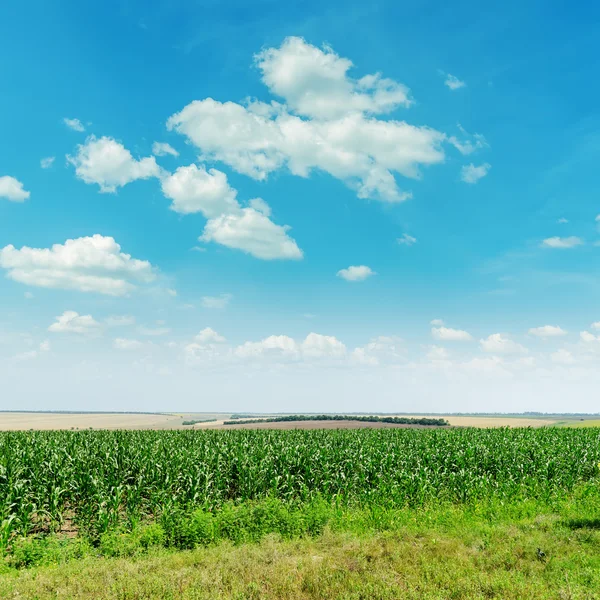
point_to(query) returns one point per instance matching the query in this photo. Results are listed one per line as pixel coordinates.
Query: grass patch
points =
(267, 549)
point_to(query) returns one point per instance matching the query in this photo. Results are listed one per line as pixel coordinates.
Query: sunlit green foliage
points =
(100, 480)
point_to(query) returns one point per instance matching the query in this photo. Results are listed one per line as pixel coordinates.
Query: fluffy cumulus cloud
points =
(193, 189)
(107, 163)
(162, 149)
(447, 334)
(562, 357)
(356, 273)
(501, 344)
(547, 331)
(314, 347)
(314, 82)
(562, 242)
(87, 264)
(209, 336)
(216, 301)
(12, 189)
(252, 232)
(74, 124)
(328, 123)
(454, 83)
(72, 322)
(472, 174)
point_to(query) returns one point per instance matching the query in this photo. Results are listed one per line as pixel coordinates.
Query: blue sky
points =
(415, 162)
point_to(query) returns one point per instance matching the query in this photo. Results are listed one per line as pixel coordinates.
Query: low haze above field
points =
(299, 207)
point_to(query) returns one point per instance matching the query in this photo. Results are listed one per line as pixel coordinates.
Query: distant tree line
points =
(369, 419)
(199, 421)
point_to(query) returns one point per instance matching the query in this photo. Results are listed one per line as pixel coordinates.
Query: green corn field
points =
(100, 479)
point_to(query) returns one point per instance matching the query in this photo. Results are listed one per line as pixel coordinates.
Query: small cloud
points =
(261, 206)
(500, 344)
(450, 335)
(12, 189)
(436, 322)
(162, 148)
(407, 240)
(355, 273)
(28, 295)
(47, 162)
(547, 331)
(209, 336)
(198, 249)
(453, 83)
(562, 221)
(171, 292)
(216, 301)
(74, 124)
(595, 325)
(472, 174)
(558, 242)
(72, 322)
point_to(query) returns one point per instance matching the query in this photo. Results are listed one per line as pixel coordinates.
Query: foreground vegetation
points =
(496, 501)
(424, 421)
(492, 549)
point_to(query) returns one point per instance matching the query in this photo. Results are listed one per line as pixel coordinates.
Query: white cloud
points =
(450, 335)
(28, 295)
(119, 321)
(333, 129)
(321, 346)
(436, 322)
(45, 346)
(547, 331)
(32, 354)
(565, 242)
(253, 233)
(194, 189)
(588, 337)
(314, 82)
(469, 143)
(162, 148)
(499, 344)
(356, 273)
(454, 83)
(407, 240)
(261, 206)
(72, 322)
(595, 325)
(88, 264)
(209, 336)
(563, 357)
(127, 344)
(278, 346)
(74, 124)
(472, 174)
(12, 189)
(47, 162)
(109, 164)
(171, 292)
(314, 346)
(216, 301)
(562, 221)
